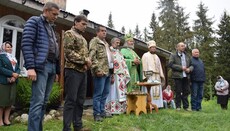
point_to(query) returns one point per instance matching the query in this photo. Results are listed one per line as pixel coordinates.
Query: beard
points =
(152, 52)
(129, 46)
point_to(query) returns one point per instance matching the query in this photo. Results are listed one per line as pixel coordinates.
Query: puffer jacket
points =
(97, 52)
(176, 66)
(35, 43)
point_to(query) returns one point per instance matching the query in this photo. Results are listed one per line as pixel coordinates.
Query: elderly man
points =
(197, 79)
(133, 62)
(151, 62)
(181, 66)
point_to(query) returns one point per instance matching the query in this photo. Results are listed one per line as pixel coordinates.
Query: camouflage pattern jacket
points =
(76, 52)
(98, 55)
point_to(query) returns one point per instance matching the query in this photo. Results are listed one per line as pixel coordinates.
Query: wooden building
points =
(14, 13)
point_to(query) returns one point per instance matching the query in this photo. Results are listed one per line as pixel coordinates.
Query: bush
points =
(23, 94)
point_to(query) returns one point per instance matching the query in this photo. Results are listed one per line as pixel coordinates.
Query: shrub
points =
(23, 94)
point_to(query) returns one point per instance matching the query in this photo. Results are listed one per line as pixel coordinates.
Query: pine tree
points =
(137, 33)
(223, 47)
(130, 32)
(146, 35)
(123, 29)
(168, 25)
(153, 25)
(110, 21)
(183, 28)
(155, 30)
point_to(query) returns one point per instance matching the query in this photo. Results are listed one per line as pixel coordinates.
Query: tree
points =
(205, 42)
(168, 26)
(183, 28)
(123, 29)
(223, 47)
(130, 32)
(137, 33)
(146, 35)
(155, 30)
(110, 21)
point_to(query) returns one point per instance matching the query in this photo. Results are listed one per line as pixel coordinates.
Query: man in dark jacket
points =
(180, 63)
(197, 79)
(40, 50)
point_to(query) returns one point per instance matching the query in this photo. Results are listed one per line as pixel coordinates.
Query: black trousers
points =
(182, 92)
(75, 93)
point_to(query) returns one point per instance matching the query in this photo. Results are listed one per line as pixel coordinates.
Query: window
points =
(11, 28)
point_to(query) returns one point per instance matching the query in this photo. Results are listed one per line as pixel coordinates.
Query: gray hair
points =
(114, 39)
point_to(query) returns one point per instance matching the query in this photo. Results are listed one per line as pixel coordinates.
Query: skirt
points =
(222, 99)
(7, 94)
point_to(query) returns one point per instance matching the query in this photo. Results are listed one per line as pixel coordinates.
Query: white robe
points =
(151, 62)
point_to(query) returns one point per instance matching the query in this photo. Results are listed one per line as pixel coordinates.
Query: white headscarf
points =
(11, 58)
(220, 82)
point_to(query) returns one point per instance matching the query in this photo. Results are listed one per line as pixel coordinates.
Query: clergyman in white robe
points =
(151, 62)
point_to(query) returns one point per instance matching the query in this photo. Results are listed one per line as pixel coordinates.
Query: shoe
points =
(186, 109)
(82, 129)
(6, 124)
(178, 109)
(98, 118)
(106, 115)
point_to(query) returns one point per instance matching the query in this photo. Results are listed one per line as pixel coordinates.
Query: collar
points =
(78, 31)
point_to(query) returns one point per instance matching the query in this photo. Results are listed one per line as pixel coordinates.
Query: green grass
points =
(211, 118)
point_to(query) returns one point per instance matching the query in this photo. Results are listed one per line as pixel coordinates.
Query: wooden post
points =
(62, 68)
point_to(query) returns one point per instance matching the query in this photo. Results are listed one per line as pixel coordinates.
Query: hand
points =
(56, 78)
(136, 61)
(15, 75)
(32, 74)
(184, 68)
(112, 79)
(85, 67)
(99, 74)
(88, 63)
(12, 80)
(187, 70)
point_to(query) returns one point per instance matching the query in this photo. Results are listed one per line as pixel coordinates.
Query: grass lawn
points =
(211, 118)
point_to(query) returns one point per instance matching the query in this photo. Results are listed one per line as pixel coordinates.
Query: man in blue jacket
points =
(40, 50)
(197, 79)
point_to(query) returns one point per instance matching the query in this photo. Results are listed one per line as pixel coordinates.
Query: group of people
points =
(186, 69)
(115, 72)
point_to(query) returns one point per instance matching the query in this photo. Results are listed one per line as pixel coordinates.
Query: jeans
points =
(101, 92)
(172, 104)
(182, 92)
(75, 88)
(41, 89)
(197, 95)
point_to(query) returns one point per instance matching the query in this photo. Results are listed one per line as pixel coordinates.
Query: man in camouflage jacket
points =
(102, 66)
(77, 62)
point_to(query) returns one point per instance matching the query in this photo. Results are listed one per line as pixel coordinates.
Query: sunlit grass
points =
(211, 118)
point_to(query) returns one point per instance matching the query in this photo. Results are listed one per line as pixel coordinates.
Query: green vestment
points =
(135, 71)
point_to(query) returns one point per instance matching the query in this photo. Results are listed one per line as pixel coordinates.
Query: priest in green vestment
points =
(133, 62)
